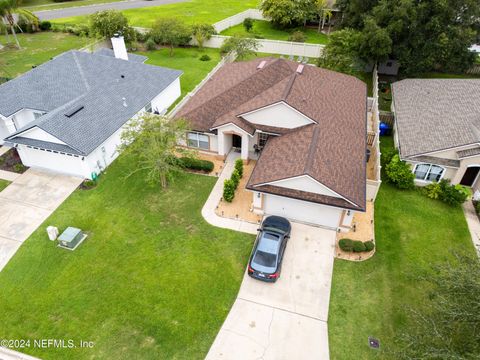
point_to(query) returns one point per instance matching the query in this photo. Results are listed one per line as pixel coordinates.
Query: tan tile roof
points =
(332, 151)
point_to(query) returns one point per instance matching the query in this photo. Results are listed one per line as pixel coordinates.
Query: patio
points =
(240, 207)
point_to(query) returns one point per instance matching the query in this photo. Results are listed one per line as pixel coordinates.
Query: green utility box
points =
(71, 238)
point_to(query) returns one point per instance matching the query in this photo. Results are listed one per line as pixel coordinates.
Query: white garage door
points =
(60, 163)
(302, 211)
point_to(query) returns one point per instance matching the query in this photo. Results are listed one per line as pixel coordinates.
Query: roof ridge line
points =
(82, 75)
(236, 84)
(289, 86)
(310, 157)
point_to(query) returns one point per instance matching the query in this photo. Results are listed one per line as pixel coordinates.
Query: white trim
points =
(427, 173)
(266, 132)
(306, 175)
(231, 123)
(416, 162)
(274, 104)
(30, 109)
(441, 150)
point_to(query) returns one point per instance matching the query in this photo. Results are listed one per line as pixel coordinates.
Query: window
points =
(198, 140)
(428, 172)
(262, 139)
(148, 108)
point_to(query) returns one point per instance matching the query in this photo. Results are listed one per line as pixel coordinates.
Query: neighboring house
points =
(307, 127)
(67, 114)
(437, 128)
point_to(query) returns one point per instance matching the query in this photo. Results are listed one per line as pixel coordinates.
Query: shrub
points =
(19, 168)
(433, 190)
(346, 244)
(88, 184)
(248, 24)
(242, 46)
(45, 25)
(228, 190)
(197, 164)
(358, 246)
(235, 178)
(369, 245)
(202, 32)
(239, 167)
(450, 194)
(150, 44)
(387, 156)
(108, 22)
(399, 173)
(297, 36)
(205, 57)
(171, 32)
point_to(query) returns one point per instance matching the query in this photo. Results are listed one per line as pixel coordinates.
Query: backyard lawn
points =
(372, 298)
(187, 60)
(153, 280)
(193, 11)
(3, 184)
(36, 49)
(266, 30)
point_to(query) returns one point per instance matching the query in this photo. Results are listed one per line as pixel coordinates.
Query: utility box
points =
(71, 238)
(52, 232)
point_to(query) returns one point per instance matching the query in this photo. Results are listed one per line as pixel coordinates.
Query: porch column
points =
(245, 146)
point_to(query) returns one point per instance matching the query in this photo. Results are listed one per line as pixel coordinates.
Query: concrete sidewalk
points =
(208, 210)
(26, 203)
(473, 224)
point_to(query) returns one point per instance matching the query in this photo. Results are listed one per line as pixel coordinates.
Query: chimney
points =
(119, 48)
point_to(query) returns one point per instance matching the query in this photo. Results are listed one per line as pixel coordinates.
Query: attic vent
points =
(300, 68)
(261, 65)
(73, 111)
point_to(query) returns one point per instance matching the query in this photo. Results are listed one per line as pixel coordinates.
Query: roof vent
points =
(261, 65)
(73, 111)
(124, 102)
(300, 68)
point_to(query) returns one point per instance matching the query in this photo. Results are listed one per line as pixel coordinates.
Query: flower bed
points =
(10, 161)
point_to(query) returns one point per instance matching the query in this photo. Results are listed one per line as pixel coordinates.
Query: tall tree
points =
(7, 10)
(108, 22)
(172, 32)
(151, 143)
(288, 13)
(450, 327)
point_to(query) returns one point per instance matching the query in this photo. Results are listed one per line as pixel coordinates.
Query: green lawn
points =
(372, 298)
(193, 11)
(3, 184)
(153, 280)
(266, 30)
(39, 5)
(187, 60)
(36, 49)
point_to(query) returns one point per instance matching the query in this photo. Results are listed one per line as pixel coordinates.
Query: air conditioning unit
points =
(71, 238)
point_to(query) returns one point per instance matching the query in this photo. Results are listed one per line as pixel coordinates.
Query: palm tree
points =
(324, 13)
(7, 10)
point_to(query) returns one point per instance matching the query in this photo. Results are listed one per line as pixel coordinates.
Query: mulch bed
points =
(10, 161)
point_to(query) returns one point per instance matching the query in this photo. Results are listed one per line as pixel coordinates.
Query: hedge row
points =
(230, 185)
(197, 164)
(349, 245)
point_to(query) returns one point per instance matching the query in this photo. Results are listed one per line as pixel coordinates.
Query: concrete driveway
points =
(288, 319)
(90, 9)
(26, 203)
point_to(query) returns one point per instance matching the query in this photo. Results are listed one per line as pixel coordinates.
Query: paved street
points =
(90, 9)
(288, 319)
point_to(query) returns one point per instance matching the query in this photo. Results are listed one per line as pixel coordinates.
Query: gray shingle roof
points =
(131, 57)
(436, 114)
(97, 82)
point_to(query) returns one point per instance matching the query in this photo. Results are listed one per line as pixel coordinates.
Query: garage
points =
(302, 211)
(54, 161)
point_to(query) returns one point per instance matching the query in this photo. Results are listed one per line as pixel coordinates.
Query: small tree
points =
(399, 173)
(297, 36)
(235, 178)
(241, 45)
(248, 24)
(341, 52)
(151, 141)
(228, 190)
(171, 32)
(108, 22)
(202, 32)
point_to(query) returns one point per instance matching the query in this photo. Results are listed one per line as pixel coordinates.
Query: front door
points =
(236, 141)
(470, 176)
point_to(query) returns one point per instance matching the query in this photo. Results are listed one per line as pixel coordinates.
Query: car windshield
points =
(265, 258)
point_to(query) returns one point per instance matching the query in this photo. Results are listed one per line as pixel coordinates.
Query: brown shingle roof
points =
(332, 150)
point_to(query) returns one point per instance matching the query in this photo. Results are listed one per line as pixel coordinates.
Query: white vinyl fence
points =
(238, 19)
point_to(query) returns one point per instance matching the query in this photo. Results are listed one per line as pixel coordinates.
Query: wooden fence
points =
(474, 70)
(387, 117)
